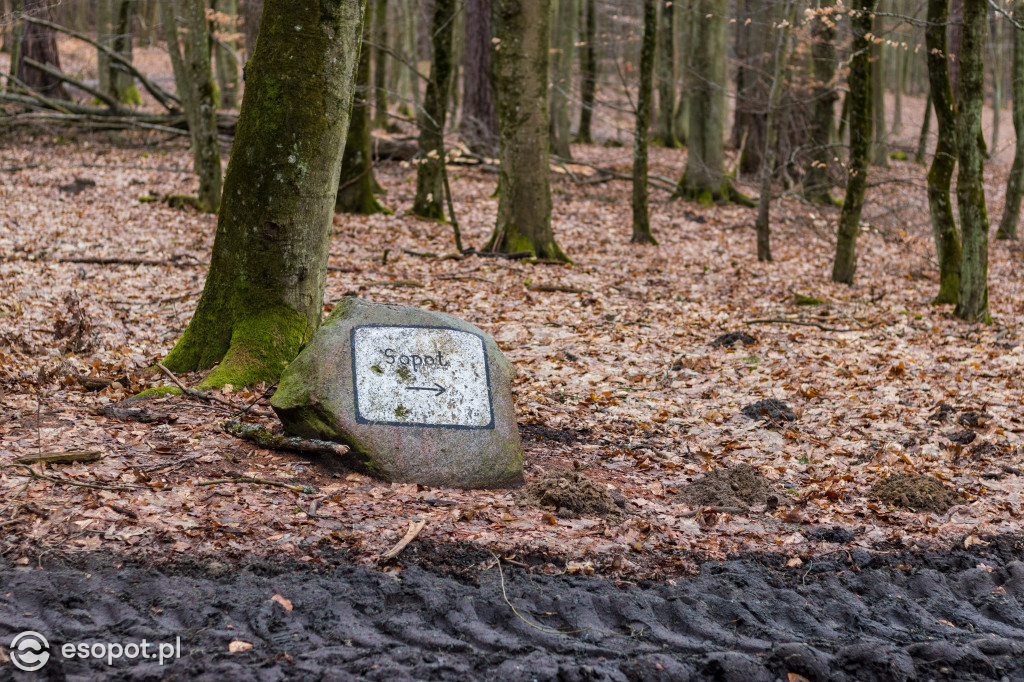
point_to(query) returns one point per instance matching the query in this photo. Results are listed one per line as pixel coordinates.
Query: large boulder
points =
(419, 396)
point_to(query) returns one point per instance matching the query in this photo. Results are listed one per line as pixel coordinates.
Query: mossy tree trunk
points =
(771, 137)
(114, 30)
(564, 37)
(1015, 183)
(188, 41)
(970, 188)
(429, 201)
(880, 142)
(641, 218)
(588, 73)
(225, 49)
(704, 179)
(519, 69)
(479, 125)
(264, 293)
(823, 55)
(940, 175)
(380, 64)
(859, 123)
(667, 75)
(356, 182)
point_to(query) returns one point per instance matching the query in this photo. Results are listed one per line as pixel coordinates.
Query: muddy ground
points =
(441, 614)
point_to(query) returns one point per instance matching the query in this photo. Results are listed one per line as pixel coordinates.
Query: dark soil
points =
(727, 340)
(834, 534)
(942, 412)
(916, 492)
(962, 437)
(740, 486)
(565, 436)
(973, 420)
(950, 615)
(770, 409)
(78, 186)
(571, 494)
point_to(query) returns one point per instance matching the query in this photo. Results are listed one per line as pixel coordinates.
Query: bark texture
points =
(667, 75)
(561, 75)
(1015, 183)
(970, 188)
(753, 78)
(224, 49)
(188, 42)
(251, 11)
(641, 218)
(816, 184)
(114, 30)
(880, 139)
(380, 63)
(264, 293)
(940, 174)
(357, 182)
(520, 73)
(588, 73)
(479, 125)
(860, 120)
(429, 201)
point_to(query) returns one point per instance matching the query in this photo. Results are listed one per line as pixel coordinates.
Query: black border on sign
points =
(355, 384)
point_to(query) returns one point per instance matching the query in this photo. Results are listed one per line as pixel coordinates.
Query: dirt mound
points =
(740, 486)
(571, 494)
(771, 409)
(915, 491)
(727, 340)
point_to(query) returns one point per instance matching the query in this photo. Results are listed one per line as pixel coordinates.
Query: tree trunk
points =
(685, 33)
(897, 112)
(752, 83)
(561, 74)
(479, 125)
(188, 42)
(880, 143)
(667, 75)
(122, 84)
(588, 75)
(771, 138)
(922, 138)
(356, 182)
(519, 70)
(641, 219)
(860, 120)
(1015, 183)
(225, 49)
(704, 179)
(970, 188)
(823, 53)
(40, 43)
(429, 201)
(263, 296)
(251, 11)
(940, 175)
(17, 36)
(380, 63)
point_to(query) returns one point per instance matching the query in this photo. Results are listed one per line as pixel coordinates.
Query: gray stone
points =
(419, 396)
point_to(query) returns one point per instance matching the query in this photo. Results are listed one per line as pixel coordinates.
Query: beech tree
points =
(860, 122)
(429, 201)
(225, 45)
(816, 183)
(564, 37)
(1015, 183)
(188, 42)
(519, 70)
(114, 30)
(263, 296)
(588, 72)
(479, 125)
(972, 304)
(641, 218)
(667, 74)
(940, 174)
(39, 43)
(380, 63)
(357, 182)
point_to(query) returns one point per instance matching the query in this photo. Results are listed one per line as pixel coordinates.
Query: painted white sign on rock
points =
(421, 376)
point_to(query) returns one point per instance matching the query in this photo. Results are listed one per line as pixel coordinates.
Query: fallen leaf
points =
(283, 601)
(238, 646)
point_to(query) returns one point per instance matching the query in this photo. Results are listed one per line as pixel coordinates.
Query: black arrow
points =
(439, 390)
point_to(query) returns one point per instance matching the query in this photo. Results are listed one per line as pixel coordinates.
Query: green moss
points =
(402, 412)
(261, 347)
(131, 96)
(898, 156)
(800, 299)
(403, 373)
(183, 201)
(376, 369)
(157, 391)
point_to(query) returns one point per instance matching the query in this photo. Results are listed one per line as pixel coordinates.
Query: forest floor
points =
(616, 380)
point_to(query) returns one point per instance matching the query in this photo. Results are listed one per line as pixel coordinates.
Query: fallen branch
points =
(32, 473)
(161, 95)
(396, 283)
(60, 75)
(262, 481)
(61, 457)
(176, 262)
(265, 439)
(802, 323)
(414, 529)
(557, 287)
(208, 397)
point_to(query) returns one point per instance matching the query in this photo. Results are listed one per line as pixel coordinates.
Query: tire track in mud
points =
(955, 615)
